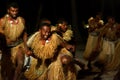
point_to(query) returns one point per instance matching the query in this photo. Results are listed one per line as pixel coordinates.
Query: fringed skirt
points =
(110, 55)
(37, 70)
(90, 46)
(56, 71)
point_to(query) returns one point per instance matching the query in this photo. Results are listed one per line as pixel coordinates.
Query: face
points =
(111, 20)
(63, 27)
(98, 17)
(45, 32)
(13, 12)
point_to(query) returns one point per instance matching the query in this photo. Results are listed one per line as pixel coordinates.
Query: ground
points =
(87, 74)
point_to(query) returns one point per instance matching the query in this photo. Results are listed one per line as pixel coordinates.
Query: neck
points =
(44, 41)
(10, 17)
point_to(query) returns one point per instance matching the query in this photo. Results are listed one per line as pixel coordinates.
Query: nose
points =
(65, 26)
(47, 34)
(15, 12)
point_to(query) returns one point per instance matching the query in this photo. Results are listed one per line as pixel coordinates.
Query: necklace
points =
(12, 21)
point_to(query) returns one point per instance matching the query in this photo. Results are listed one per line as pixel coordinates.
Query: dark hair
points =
(112, 17)
(45, 20)
(44, 24)
(61, 21)
(12, 4)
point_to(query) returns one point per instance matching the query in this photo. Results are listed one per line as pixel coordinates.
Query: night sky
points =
(74, 11)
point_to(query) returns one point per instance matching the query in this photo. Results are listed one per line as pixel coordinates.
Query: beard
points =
(13, 16)
(63, 30)
(45, 37)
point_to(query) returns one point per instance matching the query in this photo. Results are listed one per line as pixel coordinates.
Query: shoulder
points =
(22, 19)
(31, 38)
(101, 22)
(56, 36)
(53, 28)
(69, 31)
(3, 19)
(90, 19)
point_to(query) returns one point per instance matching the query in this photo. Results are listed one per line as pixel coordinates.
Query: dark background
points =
(76, 12)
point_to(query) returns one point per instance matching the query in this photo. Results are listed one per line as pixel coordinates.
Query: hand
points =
(28, 52)
(8, 41)
(70, 47)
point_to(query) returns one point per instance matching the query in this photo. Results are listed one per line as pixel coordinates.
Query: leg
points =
(89, 65)
(79, 63)
(117, 76)
(20, 63)
(6, 66)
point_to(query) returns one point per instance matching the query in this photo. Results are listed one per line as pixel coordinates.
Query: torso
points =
(45, 49)
(13, 29)
(110, 32)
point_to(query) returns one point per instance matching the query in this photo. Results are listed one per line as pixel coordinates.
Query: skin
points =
(45, 32)
(63, 27)
(13, 12)
(13, 15)
(45, 35)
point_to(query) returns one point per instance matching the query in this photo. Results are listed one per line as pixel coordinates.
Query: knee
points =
(66, 59)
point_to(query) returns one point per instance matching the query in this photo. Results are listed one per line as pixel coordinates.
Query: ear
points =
(8, 10)
(39, 30)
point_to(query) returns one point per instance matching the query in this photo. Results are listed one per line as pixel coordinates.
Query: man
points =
(108, 59)
(65, 31)
(50, 56)
(110, 39)
(95, 26)
(13, 27)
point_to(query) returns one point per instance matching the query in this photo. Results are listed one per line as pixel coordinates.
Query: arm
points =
(25, 38)
(20, 63)
(67, 46)
(1, 25)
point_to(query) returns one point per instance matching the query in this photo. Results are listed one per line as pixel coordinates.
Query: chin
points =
(45, 38)
(14, 16)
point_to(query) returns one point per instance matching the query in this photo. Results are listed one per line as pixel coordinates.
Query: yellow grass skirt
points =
(90, 46)
(110, 55)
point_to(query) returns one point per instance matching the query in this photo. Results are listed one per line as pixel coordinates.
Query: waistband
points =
(94, 33)
(14, 44)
